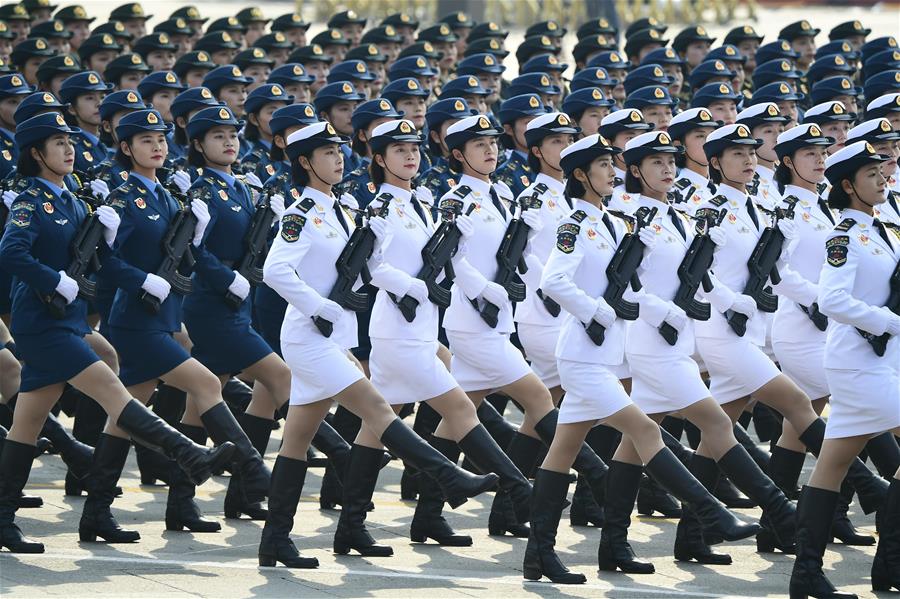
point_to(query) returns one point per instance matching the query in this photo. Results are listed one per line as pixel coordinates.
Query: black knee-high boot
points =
(500, 429)
(488, 457)
(75, 454)
(181, 510)
(359, 485)
(540, 558)
(347, 424)
(90, 418)
(871, 489)
(585, 510)
(275, 545)
(97, 519)
(842, 528)
(693, 435)
(25, 501)
(222, 427)
(759, 456)
(815, 513)
(651, 496)
(258, 431)
(424, 425)
(689, 542)
(886, 565)
(784, 469)
(428, 522)
(614, 552)
(15, 466)
(884, 452)
(522, 451)
(167, 403)
(767, 423)
(337, 451)
(499, 401)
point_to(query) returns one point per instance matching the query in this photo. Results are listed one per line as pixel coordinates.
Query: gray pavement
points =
(169, 564)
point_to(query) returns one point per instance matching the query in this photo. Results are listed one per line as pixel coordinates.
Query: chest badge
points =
(6, 155)
(317, 221)
(61, 221)
(87, 156)
(806, 216)
(864, 239)
(657, 229)
(140, 203)
(591, 234)
(153, 217)
(223, 194)
(732, 218)
(48, 207)
(551, 204)
(235, 208)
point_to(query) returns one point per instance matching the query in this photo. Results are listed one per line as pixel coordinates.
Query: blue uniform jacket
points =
(516, 173)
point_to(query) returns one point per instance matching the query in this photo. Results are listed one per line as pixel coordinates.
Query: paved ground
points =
(224, 564)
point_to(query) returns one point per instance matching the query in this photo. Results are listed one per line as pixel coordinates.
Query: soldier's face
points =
(590, 119)
(550, 148)
(7, 109)
(768, 133)
(656, 173)
(724, 110)
(601, 175)
(892, 149)
(402, 159)
(57, 154)
(693, 144)
(660, 116)
(869, 185)
(220, 146)
(808, 163)
(838, 130)
(326, 164)
(737, 164)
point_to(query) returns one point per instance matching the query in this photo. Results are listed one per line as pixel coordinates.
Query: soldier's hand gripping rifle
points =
(352, 264)
(436, 258)
(176, 247)
(879, 342)
(763, 267)
(84, 261)
(693, 272)
(622, 272)
(256, 244)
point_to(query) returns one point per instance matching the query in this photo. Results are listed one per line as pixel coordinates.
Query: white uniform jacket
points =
(853, 288)
(690, 192)
(300, 266)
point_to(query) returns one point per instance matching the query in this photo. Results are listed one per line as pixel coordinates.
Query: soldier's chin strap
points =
(48, 167)
(644, 181)
(797, 172)
(466, 160)
(859, 196)
(737, 184)
(688, 155)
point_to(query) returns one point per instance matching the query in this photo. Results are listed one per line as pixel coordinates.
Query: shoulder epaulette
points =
(306, 205)
(579, 215)
(626, 218)
(541, 188)
(682, 183)
(462, 191)
(33, 191)
(791, 201)
(845, 225)
(384, 197)
(718, 200)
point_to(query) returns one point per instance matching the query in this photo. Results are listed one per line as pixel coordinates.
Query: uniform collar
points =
(694, 177)
(402, 195)
(801, 194)
(478, 185)
(653, 203)
(765, 173)
(733, 194)
(56, 189)
(858, 216)
(7, 133)
(90, 137)
(148, 183)
(588, 208)
(619, 173)
(550, 182)
(326, 202)
(265, 144)
(520, 154)
(229, 179)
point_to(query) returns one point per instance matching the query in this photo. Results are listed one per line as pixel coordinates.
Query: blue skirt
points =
(54, 356)
(268, 315)
(145, 355)
(225, 348)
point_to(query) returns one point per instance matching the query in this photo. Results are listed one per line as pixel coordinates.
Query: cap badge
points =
(152, 119)
(131, 98)
(404, 127)
(223, 114)
(483, 123)
(534, 102)
(459, 106)
(659, 93)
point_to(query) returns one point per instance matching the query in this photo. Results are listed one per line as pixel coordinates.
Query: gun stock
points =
(176, 254)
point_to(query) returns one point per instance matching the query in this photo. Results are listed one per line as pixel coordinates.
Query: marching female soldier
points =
(861, 263)
(145, 315)
(689, 129)
(84, 92)
(766, 123)
(261, 104)
(44, 220)
(398, 342)
(300, 267)
(586, 242)
(884, 138)
(719, 341)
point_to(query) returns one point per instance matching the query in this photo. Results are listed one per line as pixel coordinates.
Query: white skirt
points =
(593, 392)
(485, 361)
(539, 343)
(736, 367)
(408, 370)
(319, 370)
(804, 363)
(665, 383)
(863, 402)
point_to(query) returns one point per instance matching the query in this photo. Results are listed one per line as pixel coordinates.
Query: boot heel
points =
(532, 573)
(174, 525)
(267, 561)
(765, 542)
(455, 502)
(881, 584)
(341, 548)
(418, 538)
(606, 564)
(87, 537)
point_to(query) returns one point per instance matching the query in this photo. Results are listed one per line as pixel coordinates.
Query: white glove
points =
(648, 237)
(252, 179)
(201, 211)
(182, 180)
(466, 225)
(533, 219)
(276, 203)
(8, 198)
(240, 286)
(156, 286)
(744, 304)
(893, 327)
(788, 228)
(329, 311)
(378, 225)
(418, 290)
(676, 317)
(718, 236)
(110, 220)
(99, 188)
(67, 287)
(604, 313)
(495, 294)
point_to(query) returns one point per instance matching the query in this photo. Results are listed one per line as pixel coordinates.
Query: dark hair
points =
(106, 137)
(251, 131)
(26, 164)
(680, 157)
(376, 171)
(181, 137)
(534, 163)
(455, 165)
(299, 175)
(357, 145)
(433, 146)
(782, 175)
(838, 199)
(715, 175)
(574, 187)
(194, 157)
(123, 159)
(276, 154)
(632, 183)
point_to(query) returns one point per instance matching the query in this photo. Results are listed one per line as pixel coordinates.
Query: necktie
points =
(339, 213)
(417, 207)
(825, 209)
(892, 200)
(752, 212)
(676, 220)
(609, 225)
(711, 187)
(883, 232)
(497, 203)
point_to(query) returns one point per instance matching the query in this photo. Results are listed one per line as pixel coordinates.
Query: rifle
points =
(256, 242)
(509, 257)
(176, 247)
(350, 265)
(16, 183)
(879, 342)
(84, 260)
(552, 307)
(622, 271)
(436, 257)
(692, 272)
(762, 266)
(818, 319)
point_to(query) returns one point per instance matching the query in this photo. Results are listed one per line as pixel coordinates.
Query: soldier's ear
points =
(278, 140)
(716, 165)
(303, 161)
(123, 146)
(457, 153)
(379, 160)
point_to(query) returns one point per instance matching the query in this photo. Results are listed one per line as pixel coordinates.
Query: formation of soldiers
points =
(234, 224)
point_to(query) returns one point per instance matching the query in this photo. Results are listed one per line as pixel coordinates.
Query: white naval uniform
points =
(767, 194)
(538, 329)
(665, 378)
(737, 366)
(573, 278)
(300, 267)
(404, 363)
(853, 287)
(798, 345)
(889, 212)
(692, 191)
(484, 358)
